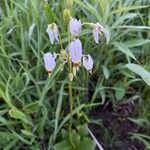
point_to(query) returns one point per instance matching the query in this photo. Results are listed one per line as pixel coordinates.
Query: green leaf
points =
(106, 72)
(122, 9)
(144, 74)
(123, 48)
(119, 90)
(49, 13)
(65, 134)
(17, 114)
(136, 42)
(122, 18)
(32, 107)
(82, 131)
(75, 138)
(64, 145)
(28, 133)
(87, 144)
(58, 109)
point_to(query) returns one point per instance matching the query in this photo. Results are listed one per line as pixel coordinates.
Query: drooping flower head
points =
(75, 52)
(98, 30)
(88, 63)
(52, 31)
(49, 60)
(75, 27)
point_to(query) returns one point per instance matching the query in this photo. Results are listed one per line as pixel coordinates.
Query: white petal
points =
(56, 35)
(96, 35)
(75, 51)
(88, 63)
(49, 61)
(75, 27)
(50, 34)
(85, 63)
(105, 31)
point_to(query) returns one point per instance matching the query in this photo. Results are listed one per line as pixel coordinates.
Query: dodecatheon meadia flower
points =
(88, 63)
(75, 27)
(49, 61)
(98, 30)
(52, 31)
(75, 52)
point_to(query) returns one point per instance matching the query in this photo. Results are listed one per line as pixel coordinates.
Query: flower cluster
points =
(75, 47)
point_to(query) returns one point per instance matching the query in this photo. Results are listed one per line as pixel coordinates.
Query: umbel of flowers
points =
(75, 51)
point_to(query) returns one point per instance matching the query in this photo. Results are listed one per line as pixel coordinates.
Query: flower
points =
(75, 27)
(49, 60)
(75, 51)
(98, 30)
(52, 31)
(88, 63)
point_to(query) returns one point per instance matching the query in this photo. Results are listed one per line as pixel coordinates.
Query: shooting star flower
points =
(88, 63)
(75, 52)
(49, 60)
(98, 30)
(52, 31)
(75, 27)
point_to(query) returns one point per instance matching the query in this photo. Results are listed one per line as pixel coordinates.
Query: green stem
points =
(88, 24)
(70, 82)
(70, 90)
(60, 40)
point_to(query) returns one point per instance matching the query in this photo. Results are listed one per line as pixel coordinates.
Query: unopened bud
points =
(69, 4)
(66, 15)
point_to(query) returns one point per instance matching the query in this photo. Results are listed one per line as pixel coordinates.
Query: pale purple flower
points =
(52, 31)
(49, 60)
(88, 63)
(75, 51)
(75, 27)
(98, 30)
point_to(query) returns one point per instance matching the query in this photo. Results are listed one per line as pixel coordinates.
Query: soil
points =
(114, 132)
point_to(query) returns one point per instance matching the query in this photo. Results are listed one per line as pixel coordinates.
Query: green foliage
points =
(33, 106)
(76, 140)
(145, 75)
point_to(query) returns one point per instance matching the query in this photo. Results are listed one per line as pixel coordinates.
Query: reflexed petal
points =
(49, 61)
(88, 63)
(75, 27)
(104, 30)
(72, 52)
(78, 46)
(51, 35)
(75, 51)
(96, 36)
(52, 31)
(56, 34)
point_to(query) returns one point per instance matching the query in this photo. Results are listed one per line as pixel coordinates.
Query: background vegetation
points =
(34, 107)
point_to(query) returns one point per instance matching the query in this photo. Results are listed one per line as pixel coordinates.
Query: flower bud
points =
(69, 4)
(70, 76)
(66, 15)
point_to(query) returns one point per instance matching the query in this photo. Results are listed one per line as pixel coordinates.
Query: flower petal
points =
(75, 27)
(88, 63)
(96, 36)
(49, 61)
(50, 34)
(75, 51)
(104, 30)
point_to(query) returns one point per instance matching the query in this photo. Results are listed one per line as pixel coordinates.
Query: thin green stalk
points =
(70, 82)
(70, 90)
(60, 40)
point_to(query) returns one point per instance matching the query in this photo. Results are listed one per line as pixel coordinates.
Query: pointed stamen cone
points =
(77, 67)
(49, 74)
